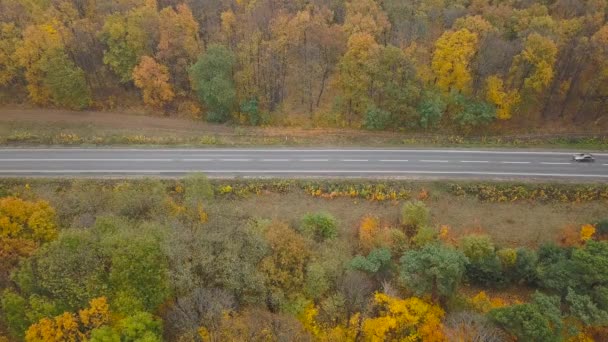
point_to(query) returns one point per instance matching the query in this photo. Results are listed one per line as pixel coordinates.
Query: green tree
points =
(470, 113)
(431, 109)
(129, 36)
(538, 321)
(376, 119)
(140, 326)
(14, 313)
(434, 269)
(66, 82)
(378, 261)
(583, 308)
(211, 78)
(317, 282)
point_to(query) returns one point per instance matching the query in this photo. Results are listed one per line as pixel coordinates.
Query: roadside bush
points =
(320, 226)
(415, 214)
(197, 189)
(140, 200)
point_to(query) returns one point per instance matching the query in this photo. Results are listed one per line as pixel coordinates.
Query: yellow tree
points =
(153, 80)
(474, 23)
(40, 43)
(27, 220)
(69, 327)
(63, 328)
(410, 319)
(451, 59)
(532, 69)
(9, 39)
(178, 44)
(503, 99)
(366, 16)
(285, 266)
(96, 315)
(355, 73)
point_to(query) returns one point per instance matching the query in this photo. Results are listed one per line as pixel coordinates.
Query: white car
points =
(583, 157)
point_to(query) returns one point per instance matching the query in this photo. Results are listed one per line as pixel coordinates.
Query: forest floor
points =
(27, 126)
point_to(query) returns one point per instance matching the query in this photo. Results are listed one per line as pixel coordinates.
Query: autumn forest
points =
(466, 66)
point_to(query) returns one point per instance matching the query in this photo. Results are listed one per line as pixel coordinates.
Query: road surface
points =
(278, 162)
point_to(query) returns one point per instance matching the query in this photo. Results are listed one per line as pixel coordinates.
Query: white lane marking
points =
(292, 150)
(474, 161)
(314, 160)
(433, 161)
(196, 159)
(88, 159)
(393, 160)
(314, 172)
(235, 160)
(275, 160)
(547, 163)
(605, 164)
(514, 162)
(354, 160)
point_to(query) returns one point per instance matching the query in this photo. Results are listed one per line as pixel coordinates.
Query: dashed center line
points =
(514, 162)
(474, 161)
(235, 160)
(393, 160)
(275, 160)
(354, 160)
(548, 163)
(196, 159)
(434, 161)
(314, 160)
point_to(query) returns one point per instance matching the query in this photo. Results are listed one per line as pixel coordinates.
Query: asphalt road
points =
(408, 163)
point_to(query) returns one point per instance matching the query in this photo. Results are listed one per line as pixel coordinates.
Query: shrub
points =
(320, 226)
(477, 247)
(376, 119)
(415, 214)
(424, 236)
(198, 189)
(138, 201)
(524, 269)
(601, 229)
(251, 110)
(377, 261)
(486, 271)
(508, 257)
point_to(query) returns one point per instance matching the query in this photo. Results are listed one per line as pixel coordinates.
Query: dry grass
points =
(509, 224)
(47, 127)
